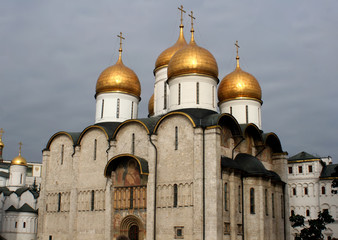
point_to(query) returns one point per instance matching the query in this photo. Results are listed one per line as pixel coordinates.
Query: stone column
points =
(73, 196)
(108, 206)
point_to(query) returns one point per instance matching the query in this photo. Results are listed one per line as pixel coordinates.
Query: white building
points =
(18, 199)
(185, 172)
(309, 181)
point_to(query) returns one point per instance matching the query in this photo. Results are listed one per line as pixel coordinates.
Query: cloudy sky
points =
(52, 52)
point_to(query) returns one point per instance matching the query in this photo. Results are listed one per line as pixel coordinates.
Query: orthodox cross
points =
(120, 36)
(192, 20)
(237, 46)
(20, 143)
(182, 11)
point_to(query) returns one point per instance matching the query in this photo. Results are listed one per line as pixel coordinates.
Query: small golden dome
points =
(164, 58)
(1, 143)
(19, 160)
(239, 85)
(118, 78)
(192, 59)
(151, 106)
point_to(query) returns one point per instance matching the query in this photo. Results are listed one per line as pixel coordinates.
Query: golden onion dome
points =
(19, 160)
(239, 85)
(192, 59)
(118, 78)
(164, 58)
(1, 143)
(151, 106)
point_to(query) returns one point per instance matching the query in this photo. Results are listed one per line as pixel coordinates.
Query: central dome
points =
(118, 78)
(192, 59)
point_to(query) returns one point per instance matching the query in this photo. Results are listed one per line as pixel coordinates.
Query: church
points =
(198, 167)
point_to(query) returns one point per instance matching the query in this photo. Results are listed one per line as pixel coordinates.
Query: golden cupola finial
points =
(151, 106)
(164, 58)
(119, 78)
(193, 59)
(19, 160)
(1, 143)
(239, 85)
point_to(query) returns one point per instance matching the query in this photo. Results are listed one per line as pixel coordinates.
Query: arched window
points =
(133, 143)
(252, 200)
(273, 204)
(239, 199)
(307, 212)
(294, 191)
(247, 113)
(292, 213)
(165, 96)
(62, 153)
(175, 195)
(323, 190)
(306, 191)
(179, 94)
(132, 110)
(95, 148)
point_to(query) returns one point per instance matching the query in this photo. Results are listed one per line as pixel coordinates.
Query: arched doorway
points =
(133, 227)
(133, 232)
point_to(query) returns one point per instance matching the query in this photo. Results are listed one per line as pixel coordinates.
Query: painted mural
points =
(128, 173)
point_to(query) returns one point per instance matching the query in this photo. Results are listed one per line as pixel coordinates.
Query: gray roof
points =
(330, 171)
(4, 174)
(302, 156)
(24, 208)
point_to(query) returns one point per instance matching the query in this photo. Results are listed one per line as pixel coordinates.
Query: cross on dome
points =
(20, 143)
(182, 11)
(192, 20)
(1, 132)
(120, 36)
(237, 57)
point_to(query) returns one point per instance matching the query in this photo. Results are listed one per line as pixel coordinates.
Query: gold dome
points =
(118, 78)
(19, 160)
(192, 59)
(1, 143)
(151, 105)
(164, 58)
(239, 85)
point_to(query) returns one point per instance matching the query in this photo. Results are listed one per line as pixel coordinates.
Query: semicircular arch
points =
(171, 114)
(90, 128)
(113, 163)
(69, 135)
(128, 122)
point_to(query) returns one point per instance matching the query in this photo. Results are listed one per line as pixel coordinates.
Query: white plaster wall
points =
(160, 82)
(188, 97)
(239, 111)
(126, 111)
(17, 177)
(20, 232)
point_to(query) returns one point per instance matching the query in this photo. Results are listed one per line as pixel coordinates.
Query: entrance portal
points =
(133, 232)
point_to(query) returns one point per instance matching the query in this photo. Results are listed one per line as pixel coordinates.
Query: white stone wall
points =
(188, 92)
(117, 107)
(161, 100)
(238, 109)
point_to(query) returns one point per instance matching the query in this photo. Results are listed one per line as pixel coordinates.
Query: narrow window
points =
(176, 138)
(102, 107)
(118, 108)
(16, 224)
(92, 201)
(226, 228)
(20, 178)
(273, 204)
(310, 168)
(179, 234)
(294, 191)
(300, 169)
(239, 229)
(231, 110)
(282, 205)
(247, 113)
(59, 202)
(133, 143)
(239, 199)
(132, 110)
(24, 225)
(266, 202)
(198, 93)
(292, 213)
(165, 96)
(323, 190)
(213, 96)
(252, 200)
(225, 197)
(307, 212)
(50, 237)
(290, 170)
(179, 94)
(62, 153)
(95, 148)
(131, 204)
(305, 191)
(175, 195)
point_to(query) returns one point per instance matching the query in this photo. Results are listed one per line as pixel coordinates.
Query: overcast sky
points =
(52, 52)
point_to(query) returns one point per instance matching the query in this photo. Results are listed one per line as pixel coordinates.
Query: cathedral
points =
(198, 167)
